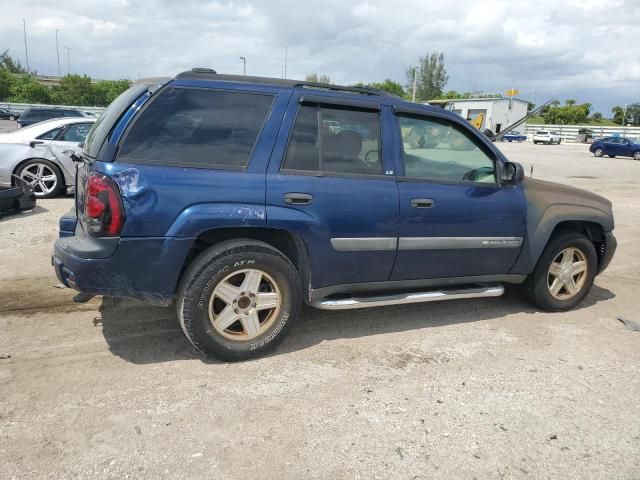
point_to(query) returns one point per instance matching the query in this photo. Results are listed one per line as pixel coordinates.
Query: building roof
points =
(481, 99)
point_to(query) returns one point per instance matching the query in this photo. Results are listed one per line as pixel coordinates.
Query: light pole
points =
(26, 51)
(58, 53)
(415, 84)
(68, 59)
(624, 116)
(244, 65)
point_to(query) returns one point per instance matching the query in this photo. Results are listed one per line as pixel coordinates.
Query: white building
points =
(498, 112)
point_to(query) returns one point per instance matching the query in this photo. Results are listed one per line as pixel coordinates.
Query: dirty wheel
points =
(564, 274)
(44, 176)
(238, 300)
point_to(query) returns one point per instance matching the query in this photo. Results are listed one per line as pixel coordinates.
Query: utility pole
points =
(58, 54)
(415, 83)
(68, 59)
(285, 61)
(26, 51)
(624, 116)
(244, 65)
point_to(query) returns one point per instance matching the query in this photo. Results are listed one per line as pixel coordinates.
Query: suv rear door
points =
(331, 180)
(455, 219)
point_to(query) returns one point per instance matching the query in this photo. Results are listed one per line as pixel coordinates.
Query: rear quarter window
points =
(197, 127)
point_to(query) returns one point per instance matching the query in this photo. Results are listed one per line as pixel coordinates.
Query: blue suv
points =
(239, 198)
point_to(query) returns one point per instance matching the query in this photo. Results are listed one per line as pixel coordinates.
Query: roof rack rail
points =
(199, 73)
(342, 88)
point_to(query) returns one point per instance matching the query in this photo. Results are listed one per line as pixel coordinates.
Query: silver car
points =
(40, 154)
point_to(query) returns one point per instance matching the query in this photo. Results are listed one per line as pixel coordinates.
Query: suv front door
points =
(456, 220)
(331, 180)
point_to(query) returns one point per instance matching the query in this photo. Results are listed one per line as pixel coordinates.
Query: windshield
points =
(109, 117)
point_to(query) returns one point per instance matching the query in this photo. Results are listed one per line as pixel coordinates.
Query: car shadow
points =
(37, 210)
(141, 334)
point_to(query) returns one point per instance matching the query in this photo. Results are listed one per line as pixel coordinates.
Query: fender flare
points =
(541, 226)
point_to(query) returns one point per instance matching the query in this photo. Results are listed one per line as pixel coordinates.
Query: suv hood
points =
(542, 195)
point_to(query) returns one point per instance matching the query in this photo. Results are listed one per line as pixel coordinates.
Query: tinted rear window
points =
(194, 127)
(109, 117)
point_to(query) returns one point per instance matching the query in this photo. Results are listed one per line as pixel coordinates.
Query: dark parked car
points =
(35, 115)
(230, 196)
(514, 136)
(616, 146)
(6, 114)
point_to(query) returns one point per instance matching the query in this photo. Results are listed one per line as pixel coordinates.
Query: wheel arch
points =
(22, 162)
(289, 243)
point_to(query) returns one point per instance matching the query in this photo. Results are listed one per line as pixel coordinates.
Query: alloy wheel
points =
(567, 273)
(41, 177)
(244, 304)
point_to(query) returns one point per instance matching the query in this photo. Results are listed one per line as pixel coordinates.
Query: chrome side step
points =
(413, 297)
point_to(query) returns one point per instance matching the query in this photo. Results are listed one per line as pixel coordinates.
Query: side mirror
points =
(511, 173)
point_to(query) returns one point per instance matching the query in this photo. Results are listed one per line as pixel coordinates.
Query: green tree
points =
(431, 76)
(388, 86)
(570, 102)
(567, 114)
(7, 62)
(453, 94)
(75, 90)
(106, 91)
(631, 116)
(6, 80)
(596, 116)
(26, 89)
(315, 78)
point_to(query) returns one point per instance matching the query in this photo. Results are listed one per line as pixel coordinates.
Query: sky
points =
(588, 50)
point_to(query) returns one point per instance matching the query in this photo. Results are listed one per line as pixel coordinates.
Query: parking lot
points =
(486, 388)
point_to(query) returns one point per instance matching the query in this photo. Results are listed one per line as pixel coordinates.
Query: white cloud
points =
(552, 46)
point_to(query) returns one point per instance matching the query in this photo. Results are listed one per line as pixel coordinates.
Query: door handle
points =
(293, 198)
(422, 203)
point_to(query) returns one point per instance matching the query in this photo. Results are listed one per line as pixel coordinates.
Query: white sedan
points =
(40, 154)
(546, 136)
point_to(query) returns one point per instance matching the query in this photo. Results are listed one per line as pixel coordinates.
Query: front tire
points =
(564, 274)
(598, 152)
(238, 300)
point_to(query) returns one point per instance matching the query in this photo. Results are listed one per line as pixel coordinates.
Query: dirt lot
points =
(478, 388)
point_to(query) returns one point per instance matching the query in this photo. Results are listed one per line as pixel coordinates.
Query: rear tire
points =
(598, 152)
(559, 283)
(43, 175)
(636, 155)
(219, 303)
(612, 156)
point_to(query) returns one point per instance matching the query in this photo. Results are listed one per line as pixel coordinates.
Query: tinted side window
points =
(437, 150)
(200, 128)
(76, 132)
(50, 135)
(334, 140)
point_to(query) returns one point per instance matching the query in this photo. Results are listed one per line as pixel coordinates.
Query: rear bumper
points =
(607, 249)
(143, 268)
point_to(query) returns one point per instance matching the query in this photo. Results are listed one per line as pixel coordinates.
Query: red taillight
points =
(104, 215)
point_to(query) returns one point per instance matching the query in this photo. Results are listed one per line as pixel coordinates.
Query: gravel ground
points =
(481, 389)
